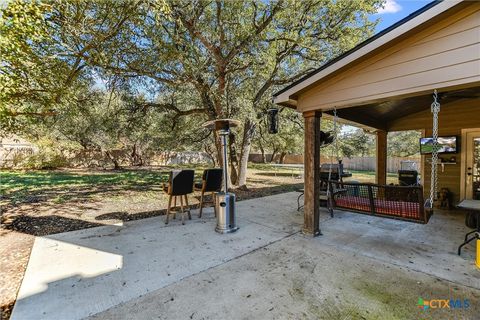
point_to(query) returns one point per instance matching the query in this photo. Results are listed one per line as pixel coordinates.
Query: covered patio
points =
(386, 84)
(364, 267)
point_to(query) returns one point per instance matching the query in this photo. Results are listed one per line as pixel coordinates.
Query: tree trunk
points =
(274, 153)
(282, 157)
(116, 165)
(264, 157)
(135, 157)
(218, 148)
(248, 133)
(210, 154)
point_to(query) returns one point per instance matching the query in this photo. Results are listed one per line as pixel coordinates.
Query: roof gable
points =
(287, 96)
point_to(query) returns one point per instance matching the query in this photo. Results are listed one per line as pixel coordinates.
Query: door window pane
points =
(476, 169)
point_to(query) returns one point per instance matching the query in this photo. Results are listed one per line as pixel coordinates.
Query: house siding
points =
(453, 118)
(444, 55)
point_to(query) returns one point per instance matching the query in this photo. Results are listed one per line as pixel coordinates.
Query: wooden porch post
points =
(311, 216)
(381, 172)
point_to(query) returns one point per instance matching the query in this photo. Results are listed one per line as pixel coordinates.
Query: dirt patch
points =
(15, 250)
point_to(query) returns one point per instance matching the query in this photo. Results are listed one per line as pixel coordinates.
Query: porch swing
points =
(404, 203)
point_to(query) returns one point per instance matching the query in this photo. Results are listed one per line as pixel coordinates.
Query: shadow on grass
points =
(59, 195)
(18, 180)
(57, 187)
(252, 193)
(19, 188)
(46, 225)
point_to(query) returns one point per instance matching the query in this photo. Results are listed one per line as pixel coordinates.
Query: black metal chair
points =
(472, 220)
(325, 176)
(407, 177)
(211, 182)
(180, 183)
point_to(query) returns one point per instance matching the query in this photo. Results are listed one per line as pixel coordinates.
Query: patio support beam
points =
(311, 215)
(381, 156)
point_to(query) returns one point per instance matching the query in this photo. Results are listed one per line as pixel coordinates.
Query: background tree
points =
(232, 54)
(356, 143)
(187, 61)
(289, 139)
(26, 69)
(42, 52)
(403, 143)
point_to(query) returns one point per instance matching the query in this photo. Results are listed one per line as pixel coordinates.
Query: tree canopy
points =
(177, 62)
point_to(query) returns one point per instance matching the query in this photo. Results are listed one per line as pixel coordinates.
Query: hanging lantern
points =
(326, 138)
(272, 117)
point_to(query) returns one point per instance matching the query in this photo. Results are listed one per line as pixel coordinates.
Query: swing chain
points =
(435, 109)
(335, 119)
(334, 152)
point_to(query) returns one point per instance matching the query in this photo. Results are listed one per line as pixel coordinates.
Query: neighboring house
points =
(14, 148)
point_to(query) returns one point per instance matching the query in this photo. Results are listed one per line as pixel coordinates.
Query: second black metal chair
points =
(211, 182)
(180, 183)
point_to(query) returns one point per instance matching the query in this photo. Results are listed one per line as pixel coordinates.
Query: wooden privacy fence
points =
(370, 163)
(354, 163)
(17, 156)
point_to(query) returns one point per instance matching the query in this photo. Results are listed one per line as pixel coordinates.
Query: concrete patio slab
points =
(362, 267)
(76, 274)
(430, 248)
(297, 279)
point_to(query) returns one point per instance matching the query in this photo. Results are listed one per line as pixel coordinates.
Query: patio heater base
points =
(225, 206)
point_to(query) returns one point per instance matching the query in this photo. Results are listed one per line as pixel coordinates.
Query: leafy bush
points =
(45, 159)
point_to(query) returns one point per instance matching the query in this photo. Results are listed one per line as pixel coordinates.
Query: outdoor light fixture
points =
(272, 117)
(224, 200)
(326, 138)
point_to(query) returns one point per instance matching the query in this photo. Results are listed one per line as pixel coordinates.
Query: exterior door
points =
(472, 166)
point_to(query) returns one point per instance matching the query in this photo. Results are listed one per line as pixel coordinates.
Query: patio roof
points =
(426, 14)
(379, 116)
(393, 74)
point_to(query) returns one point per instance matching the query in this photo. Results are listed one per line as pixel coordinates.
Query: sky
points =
(396, 10)
(393, 11)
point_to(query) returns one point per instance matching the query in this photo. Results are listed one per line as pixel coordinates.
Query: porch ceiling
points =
(378, 116)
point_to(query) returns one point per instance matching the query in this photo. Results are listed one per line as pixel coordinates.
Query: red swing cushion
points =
(398, 202)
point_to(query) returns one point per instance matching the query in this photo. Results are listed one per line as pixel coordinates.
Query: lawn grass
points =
(17, 181)
(369, 176)
(59, 186)
(62, 185)
(362, 176)
(24, 181)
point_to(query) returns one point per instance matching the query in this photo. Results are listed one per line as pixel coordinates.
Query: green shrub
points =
(45, 159)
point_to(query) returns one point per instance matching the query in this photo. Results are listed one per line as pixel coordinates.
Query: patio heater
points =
(224, 200)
